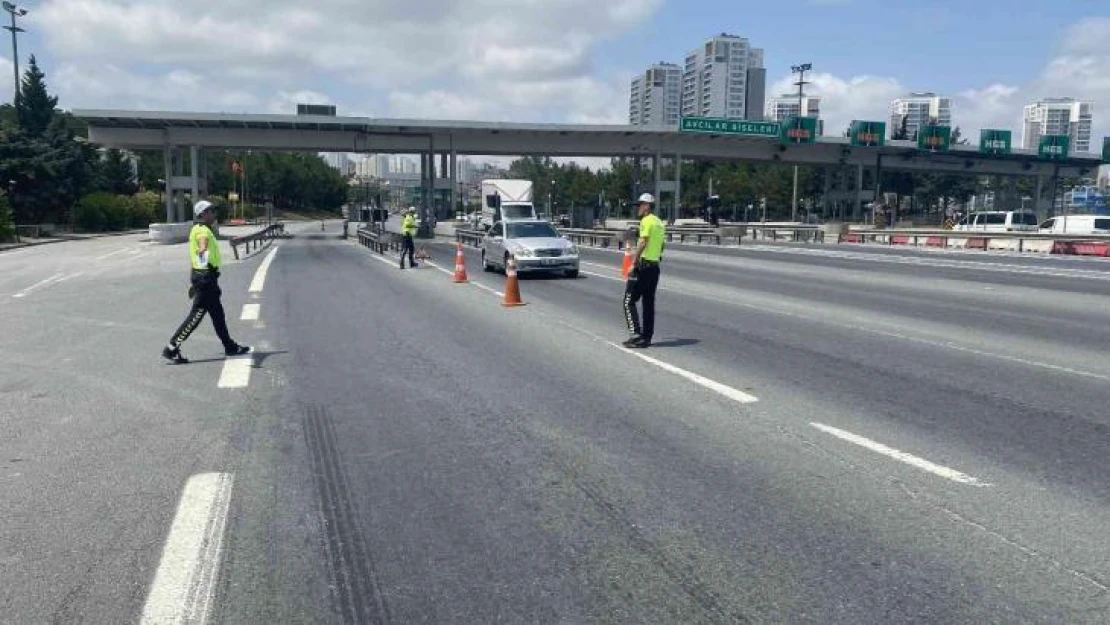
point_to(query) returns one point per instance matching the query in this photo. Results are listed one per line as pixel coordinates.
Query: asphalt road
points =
(817, 436)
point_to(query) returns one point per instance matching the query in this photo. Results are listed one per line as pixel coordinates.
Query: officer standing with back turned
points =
(204, 258)
(408, 231)
(644, 277)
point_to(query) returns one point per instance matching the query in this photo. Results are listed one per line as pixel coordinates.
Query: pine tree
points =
(35, 106)
(115, 174)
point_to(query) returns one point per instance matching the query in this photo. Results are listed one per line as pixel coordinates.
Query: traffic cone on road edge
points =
(460, 266)
(512, 288)
(626, 265)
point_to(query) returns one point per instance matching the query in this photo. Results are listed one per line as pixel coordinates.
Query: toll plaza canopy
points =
(323, 133)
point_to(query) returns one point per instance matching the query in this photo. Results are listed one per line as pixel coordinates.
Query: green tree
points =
(35, 106)
(6, 223)
(115, 173)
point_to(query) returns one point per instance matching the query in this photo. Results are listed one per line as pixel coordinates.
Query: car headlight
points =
(571, 251)
(523, 252)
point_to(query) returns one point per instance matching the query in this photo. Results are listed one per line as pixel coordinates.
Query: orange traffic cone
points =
(626, 265)
(512, 288)
(460, 266)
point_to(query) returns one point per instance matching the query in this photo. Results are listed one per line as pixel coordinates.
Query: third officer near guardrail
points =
(408, 231)
(644, 277)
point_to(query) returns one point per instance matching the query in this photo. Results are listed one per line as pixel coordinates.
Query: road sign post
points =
(995, 141)
(934, 138)
(1053, 147)
(718, 126)
(868, 134)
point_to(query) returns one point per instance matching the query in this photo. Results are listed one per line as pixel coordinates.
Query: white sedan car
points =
(536, 245)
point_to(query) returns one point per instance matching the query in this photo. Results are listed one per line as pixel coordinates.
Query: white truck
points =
(506, 199)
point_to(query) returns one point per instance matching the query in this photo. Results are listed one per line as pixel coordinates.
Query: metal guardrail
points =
(469, 237)
(378, 239)
(1061, 243)
(257, 240)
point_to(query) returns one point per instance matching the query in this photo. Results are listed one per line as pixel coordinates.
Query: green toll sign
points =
(1053, 147)
(934, 138)
(995, 141)
(799, 130)
(868, 134)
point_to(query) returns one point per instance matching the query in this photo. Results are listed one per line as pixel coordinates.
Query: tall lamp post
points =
(801, 71)
(15, 12)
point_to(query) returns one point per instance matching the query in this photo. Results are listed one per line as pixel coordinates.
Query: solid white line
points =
(473, 283)
(910, 459)
(236, 372)
(259, 280)
(250, 312)
(110, 254)
(186, 578)
(713, 385)
(53, 278)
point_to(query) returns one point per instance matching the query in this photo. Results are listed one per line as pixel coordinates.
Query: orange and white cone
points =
(460, 266)
(512, 288)
(626, 265)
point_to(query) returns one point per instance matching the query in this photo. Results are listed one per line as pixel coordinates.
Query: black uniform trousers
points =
(641, 285)
(206, 300)
(407, 247)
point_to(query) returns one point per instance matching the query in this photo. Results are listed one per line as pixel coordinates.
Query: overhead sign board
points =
(868, 134)
(719, 126)
(934, 138)
(799, 130)
(995, 141)
(1053, 147)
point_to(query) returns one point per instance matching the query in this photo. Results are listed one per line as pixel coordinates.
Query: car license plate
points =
(550, 261)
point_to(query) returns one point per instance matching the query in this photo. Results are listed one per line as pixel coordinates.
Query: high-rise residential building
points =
(656, 97)
(1058, 116)
(786, 106)
(724, 78)
(919, 109)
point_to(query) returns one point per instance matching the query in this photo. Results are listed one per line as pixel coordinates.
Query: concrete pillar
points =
(194, 173)
(825, 192)
(677, 186)
(179, 197)
(655, 169)
(167, 175)
(859, 192)
(202, 168)
(454, 184)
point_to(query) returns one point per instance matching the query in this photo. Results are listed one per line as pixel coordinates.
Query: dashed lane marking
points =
(901, 456)
(250, 312)
(187, 572)
(58, 277)
(236, 372)
(259, 280)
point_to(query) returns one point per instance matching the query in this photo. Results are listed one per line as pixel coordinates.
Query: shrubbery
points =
(107, 212)
(7, 225)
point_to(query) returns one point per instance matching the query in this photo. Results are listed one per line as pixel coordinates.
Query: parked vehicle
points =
(999, 221)
(1077, 224)
(536, 245)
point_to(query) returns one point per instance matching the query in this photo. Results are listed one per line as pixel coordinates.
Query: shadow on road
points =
(675, 343)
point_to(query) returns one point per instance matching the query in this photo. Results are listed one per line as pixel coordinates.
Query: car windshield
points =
(531, 230)
(1025, 219)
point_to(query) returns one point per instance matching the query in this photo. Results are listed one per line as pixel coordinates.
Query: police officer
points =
(204, 257)
(408, 231)
(644, 277)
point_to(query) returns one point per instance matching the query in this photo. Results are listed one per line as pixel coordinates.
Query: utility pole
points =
(15, 12)
(801, 71)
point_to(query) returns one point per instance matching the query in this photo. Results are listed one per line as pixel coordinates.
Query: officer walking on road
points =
(204, 258)
(644, 277)
(408, 231)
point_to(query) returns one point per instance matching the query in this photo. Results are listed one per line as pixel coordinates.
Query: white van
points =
(1077, 224)
(999, 221)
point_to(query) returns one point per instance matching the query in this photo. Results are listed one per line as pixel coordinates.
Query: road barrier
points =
(257, 240)
(1037, 242)
(469, 237)
(378, 239)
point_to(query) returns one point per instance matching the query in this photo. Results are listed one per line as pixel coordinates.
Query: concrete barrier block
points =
(1037, 246)
(1009, 245)
(170, 234)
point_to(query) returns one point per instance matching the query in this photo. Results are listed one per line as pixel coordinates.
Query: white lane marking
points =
(722, 389)
(250, 312)
(54, 278)
(471, 282)
(383, 259)
(259, 280)
(910, 459)
(186, 578)
(110, 254)
(236, 372)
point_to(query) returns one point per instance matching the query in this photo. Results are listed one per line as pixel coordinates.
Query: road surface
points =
(819, 435)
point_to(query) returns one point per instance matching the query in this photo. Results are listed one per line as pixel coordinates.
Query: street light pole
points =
(801, 71)
(15, 12)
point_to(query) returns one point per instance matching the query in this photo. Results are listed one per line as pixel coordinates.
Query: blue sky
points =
(559, 60)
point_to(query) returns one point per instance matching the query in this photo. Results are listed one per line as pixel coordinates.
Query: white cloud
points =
(7, 81)
(495, 59)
